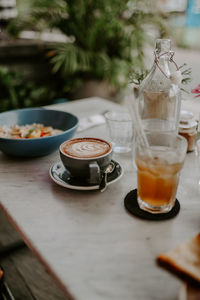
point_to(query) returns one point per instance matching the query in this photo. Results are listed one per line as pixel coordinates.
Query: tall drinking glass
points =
(158, 168)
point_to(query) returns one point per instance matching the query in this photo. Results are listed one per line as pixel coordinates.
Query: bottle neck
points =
(162, 62)
(163, 45)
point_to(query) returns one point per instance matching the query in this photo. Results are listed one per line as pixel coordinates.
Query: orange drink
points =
(157, 181)
(158, 171)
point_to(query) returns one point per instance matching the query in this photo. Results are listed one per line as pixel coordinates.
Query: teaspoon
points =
(103, 183)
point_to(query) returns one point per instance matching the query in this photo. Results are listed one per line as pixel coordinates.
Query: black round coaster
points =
(131, 204)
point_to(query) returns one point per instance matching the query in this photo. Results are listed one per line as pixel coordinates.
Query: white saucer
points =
(61, 176)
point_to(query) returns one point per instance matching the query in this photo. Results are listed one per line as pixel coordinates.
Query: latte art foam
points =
(86, 148)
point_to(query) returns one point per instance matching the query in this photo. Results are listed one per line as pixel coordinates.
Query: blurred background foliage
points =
(102, 40)
(16, 92)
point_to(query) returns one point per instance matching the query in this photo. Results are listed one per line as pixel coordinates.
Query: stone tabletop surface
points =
(86, 239)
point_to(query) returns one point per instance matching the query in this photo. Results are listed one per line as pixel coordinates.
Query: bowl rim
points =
(45, 137)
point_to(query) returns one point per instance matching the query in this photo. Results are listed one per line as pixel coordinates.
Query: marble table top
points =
(90, 244)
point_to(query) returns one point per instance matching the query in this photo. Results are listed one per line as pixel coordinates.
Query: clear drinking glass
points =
(120, 131)
(158, 169)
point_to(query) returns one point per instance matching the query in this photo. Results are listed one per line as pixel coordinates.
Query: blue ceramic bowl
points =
(37, 146)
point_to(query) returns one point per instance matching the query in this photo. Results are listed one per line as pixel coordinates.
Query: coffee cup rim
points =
(86, 158)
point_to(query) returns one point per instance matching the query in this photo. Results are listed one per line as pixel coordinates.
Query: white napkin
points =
(89, 122)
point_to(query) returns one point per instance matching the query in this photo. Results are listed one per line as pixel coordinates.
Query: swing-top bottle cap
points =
(163, 45)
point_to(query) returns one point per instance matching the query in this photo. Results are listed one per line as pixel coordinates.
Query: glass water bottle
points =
(159, 93)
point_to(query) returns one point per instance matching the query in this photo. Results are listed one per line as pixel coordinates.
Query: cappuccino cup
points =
(86, 158)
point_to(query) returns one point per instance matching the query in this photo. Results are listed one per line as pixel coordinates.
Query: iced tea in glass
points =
(158, 169)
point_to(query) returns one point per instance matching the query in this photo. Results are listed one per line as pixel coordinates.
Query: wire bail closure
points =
(157, 57)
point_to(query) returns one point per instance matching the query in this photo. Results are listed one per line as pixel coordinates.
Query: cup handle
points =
(94, 172)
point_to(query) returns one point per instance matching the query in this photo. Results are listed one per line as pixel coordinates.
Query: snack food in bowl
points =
(62, 125)
(29, 131)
